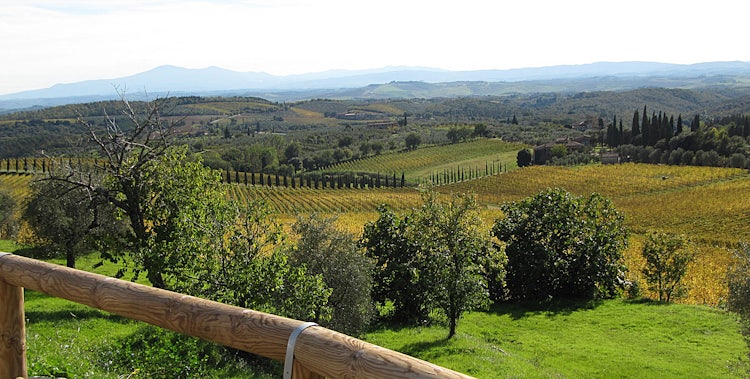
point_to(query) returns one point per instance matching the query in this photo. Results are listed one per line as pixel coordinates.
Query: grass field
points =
(420, 163)
(611, 339)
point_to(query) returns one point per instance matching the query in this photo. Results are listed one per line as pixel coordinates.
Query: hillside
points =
(319, 124)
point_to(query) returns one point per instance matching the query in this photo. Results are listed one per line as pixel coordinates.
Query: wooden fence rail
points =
(318, 352)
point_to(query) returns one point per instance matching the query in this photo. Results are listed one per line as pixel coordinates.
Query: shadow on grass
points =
(646, 301)
(65, 312)
(72, 314)
(550, 308)
(417, 348)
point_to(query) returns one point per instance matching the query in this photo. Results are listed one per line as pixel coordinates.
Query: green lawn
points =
(611, 339)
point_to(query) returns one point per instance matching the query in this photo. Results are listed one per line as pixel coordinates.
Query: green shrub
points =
(560, 245)
(739, 289)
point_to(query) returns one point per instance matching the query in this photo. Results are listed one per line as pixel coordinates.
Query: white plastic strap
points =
(288, 362)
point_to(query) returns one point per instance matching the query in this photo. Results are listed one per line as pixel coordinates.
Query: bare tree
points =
(128, 172)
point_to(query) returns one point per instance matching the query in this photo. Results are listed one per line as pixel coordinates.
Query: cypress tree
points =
(670, 128)
(635, 127)
(679, 125)
(645, 127)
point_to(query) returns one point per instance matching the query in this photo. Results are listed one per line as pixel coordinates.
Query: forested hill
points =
(318, 123)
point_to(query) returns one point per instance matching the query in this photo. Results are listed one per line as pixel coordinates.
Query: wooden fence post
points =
(12, 332)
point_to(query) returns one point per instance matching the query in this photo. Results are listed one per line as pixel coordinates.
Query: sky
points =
(45, 42)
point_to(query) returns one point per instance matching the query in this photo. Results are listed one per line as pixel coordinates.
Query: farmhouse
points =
(543, 153)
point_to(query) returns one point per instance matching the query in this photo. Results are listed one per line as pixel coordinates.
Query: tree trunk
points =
(452, 331)
(70, 258)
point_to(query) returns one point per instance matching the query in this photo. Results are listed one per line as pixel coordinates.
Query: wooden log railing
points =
(317, 351)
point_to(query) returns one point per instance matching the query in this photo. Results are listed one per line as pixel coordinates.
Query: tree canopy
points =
(435, 258)
(560, 245)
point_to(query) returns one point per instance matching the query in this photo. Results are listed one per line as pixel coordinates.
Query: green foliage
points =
(739, 282)
(181, 199)
(7, 209)
(453, 238)
(438, 257)
(458, 134)
(333, 254)
(480, 130)
(667, 258)
(237, 259)
(412, 141)
(67, 220)
(559, 151)
(292, 151)
(398, 270)
(524, 157)
(739, 290)
(152, 352)
(559, 245)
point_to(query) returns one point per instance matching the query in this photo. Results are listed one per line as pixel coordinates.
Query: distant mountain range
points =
(394, 82)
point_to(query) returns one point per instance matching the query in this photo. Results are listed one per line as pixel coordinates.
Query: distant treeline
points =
(660, 138)
(349, 180)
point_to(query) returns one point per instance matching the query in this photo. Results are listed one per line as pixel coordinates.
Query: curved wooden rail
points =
(318, 352)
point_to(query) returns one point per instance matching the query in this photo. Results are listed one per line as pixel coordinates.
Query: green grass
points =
(420, 163)
(615, 338)
(8, 246)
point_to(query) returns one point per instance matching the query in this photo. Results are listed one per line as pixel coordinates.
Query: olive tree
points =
(324, 250)
(560, 245)
(67, 220)
(412, 141)
(667, 258)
